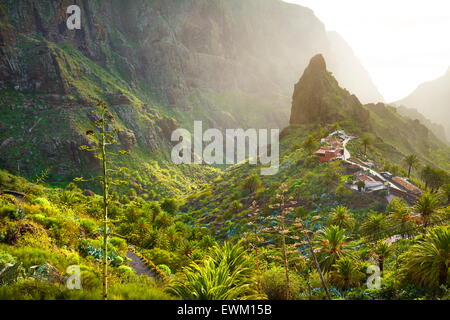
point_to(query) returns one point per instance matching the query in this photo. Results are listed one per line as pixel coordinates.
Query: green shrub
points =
(173, 260)
(274, 284)
(5, 258)
(252, 183)
(8, 211)
(165, 268)
(126, 270)
(89, 226)
(43, 202)
(138, 291)
(170, 205)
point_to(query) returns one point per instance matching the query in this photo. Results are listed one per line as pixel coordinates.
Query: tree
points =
(366, 141)
(289, 232)
(375, 224)
(401, 216)
(411, 161)
(345, 274)
(382, 250)
(342, 218)
(426, 206)
(170, 205)
(361, 185)
(434, 178)
(331, 244)
(282, 231)
(305, 232)
(427, 262)
(102, 139)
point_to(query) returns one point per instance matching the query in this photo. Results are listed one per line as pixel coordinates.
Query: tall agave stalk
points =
(106, 138)
(105, 204)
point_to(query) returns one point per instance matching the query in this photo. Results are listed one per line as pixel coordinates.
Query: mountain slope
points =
(158, 64)
(437, 129)
(432, 99)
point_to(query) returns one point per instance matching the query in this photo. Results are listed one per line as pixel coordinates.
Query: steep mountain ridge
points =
(432, 99)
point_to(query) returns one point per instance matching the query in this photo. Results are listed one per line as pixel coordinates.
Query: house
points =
(326, 154)
(408, 186)
(367, 164)
(370, 184)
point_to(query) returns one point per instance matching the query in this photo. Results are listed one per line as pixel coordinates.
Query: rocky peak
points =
(317, 63)
(319, 98)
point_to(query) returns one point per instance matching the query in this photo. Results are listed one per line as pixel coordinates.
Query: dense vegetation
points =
(242, 236)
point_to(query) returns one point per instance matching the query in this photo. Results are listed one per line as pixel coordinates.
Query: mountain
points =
(437, 129)
(432, 99)
(319, 100)
(319, 107)
(158, 64)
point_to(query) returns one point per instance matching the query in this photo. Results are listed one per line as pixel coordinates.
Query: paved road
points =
(139, 266)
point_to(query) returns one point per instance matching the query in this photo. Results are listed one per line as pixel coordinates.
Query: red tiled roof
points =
(407, 185)
(366, 178)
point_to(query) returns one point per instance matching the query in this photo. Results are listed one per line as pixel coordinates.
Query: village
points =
(367, 179)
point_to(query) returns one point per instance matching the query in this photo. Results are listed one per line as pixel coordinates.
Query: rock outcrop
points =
(318, 98)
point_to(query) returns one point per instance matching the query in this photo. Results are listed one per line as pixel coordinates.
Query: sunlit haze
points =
(401, 43)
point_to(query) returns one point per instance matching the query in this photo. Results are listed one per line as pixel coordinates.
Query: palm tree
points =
(366, 141)
(426, 206)
(411, 161)
(383, 250)
(428, 261)
(375, 224)
(342, 218)
(331, 245)
(426, 175)
(401, 216)
(346, 274)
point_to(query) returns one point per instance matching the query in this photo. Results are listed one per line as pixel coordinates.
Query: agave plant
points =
(331, 245)
(209, 281)
(225, 275)
(428, 262)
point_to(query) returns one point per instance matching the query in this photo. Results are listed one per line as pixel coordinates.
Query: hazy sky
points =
(402, 43)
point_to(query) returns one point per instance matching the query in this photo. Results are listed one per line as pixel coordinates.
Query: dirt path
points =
(139, 266)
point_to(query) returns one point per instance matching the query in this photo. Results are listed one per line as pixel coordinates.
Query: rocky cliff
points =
(230, 63)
